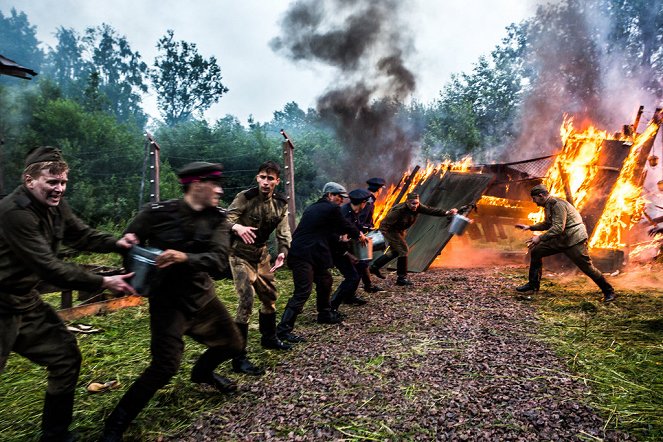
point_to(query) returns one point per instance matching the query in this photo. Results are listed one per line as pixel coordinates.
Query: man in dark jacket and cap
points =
(394, 228)
(565, 233)
(35, 220)
(194, 235)
(349, 265)
(310, 258)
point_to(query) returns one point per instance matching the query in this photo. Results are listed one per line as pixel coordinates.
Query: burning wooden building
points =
(600, 173)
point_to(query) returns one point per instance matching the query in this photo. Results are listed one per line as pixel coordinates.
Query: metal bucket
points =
(378, 240)
(142, 263)
(458, 224)
(363, 252)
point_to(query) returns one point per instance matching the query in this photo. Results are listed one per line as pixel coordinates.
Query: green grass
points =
(616, 349)
(121, 352)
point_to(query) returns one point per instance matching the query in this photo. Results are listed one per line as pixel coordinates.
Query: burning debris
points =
(601, 174)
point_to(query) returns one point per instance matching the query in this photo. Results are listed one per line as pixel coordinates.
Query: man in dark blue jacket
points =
(310, 258)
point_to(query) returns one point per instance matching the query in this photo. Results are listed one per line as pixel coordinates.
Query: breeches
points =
(578, 254)
(251, 280)
(40, 335)
(397, 246)
(212, 326)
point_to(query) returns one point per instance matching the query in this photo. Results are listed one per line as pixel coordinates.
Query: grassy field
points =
(616, 349)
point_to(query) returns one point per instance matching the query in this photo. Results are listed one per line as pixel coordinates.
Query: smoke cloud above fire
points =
(366, 44)
(583, 71)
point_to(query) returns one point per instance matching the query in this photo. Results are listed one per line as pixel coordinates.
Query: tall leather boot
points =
(132, 403)
(287, 324)
(401, 271)
(241, 363)
(267, 327)
(203, 371)
(55, 420)
(378, 264)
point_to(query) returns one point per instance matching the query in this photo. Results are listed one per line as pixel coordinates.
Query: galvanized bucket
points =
(363, 252)
(142, 263)
(458, 224)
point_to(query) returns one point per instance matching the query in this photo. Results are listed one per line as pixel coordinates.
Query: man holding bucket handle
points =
(35, 220)
(254, 214)
(194, 235)
(394, 228)
(310, 258)
(375, 187)
(565, 233)
(350, 265)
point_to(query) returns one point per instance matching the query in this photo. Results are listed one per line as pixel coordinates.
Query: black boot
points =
(329, 317)
(285, 327)
(241, 363)
(527, 288)
(373, 288)
(55, 420)
(267, 324)
(355, 300)
(401, 271)
(378, 264)
(132, 403)
(203, 370)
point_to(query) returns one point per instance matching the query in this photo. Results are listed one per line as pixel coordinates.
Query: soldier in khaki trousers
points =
(255, 214)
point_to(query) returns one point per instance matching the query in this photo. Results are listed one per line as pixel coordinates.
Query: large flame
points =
(388, 197)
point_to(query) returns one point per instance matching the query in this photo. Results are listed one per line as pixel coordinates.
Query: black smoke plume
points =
(366, 43)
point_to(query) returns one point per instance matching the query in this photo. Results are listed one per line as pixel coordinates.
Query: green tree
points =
(18, 41)
(184, 80)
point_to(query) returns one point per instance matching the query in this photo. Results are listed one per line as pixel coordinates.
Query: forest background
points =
(595, 60)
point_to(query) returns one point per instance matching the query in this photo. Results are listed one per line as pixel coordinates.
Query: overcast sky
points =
(449, 37)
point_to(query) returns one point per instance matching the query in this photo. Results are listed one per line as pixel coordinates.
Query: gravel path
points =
(454, 358)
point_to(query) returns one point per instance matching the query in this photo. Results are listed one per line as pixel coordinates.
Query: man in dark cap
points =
(394, 228)
(349, 265)
(193, 234)
(367, 215)
(310, 258)
(34, 221)
(567, 234)
(254, 214)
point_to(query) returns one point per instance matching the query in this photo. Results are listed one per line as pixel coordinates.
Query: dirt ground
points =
(456, 357)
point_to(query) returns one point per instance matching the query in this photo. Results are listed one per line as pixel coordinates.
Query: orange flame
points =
(388, 197)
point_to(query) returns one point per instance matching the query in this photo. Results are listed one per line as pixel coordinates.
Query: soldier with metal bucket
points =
(254, 215)
(194, 235)
(394, 228)
(565, 233)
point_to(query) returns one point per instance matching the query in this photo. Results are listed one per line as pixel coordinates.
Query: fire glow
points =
(596, 171)
(410, 180)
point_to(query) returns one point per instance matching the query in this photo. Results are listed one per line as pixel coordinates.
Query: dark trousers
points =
(40, 336)
(347, 288)
(577, 254)
(211, 326)
(304, 275)
(364, 274)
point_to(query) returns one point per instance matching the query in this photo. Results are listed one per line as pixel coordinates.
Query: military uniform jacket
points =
(202, 235)
(251, 208)
(563, 224)
(366, 214)
(31, 234)
(401, 218)
(318, 231)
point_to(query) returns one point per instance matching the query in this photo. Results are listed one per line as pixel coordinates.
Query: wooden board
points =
(430, 234)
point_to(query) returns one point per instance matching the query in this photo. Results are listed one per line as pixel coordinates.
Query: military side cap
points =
(335, 188)
(538, 190)
(375, 183)
(43, 154)
(200, 171)
(413, 196)
(359, 195)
